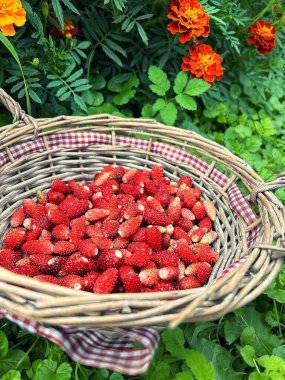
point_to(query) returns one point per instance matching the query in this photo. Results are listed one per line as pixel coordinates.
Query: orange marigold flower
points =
(69, 31)
(203, 63)
(11, 12)
(263, 36)
(189, 19)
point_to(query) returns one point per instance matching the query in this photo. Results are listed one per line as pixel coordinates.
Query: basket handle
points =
(16, 111)
(276, 183)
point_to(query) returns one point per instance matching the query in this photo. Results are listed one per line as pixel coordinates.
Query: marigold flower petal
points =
(263, 36)
(8, 30)
(11, 12)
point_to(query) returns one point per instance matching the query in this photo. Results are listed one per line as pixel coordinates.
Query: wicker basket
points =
(33, 152)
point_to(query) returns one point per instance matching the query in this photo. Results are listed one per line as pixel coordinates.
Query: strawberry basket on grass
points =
(249, 229)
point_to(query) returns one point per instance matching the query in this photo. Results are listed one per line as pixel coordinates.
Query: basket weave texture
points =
(35, 151)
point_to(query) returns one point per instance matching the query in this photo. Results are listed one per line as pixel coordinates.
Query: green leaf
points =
(3, 343)
(78, 100)
(183, 376)
(11, 375)
(116, 376)
(169, 114)
(93, 98)
(48, 369)
(158, 104)
(162, 371)
(235, 91)
(174, 342)
(127, 91)
(12, 359)
(248, 354)
(159, 79)
(98, 82)
(185, 101)
(202, 370)
(75, 76)
(279, 351)
(247, 335)
(196, 87)
(272, 363)
(58, 11)
(70, 6)
(180, 82)
(35, 96)
(147, 111)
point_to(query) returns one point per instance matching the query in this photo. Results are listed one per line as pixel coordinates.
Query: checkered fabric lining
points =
(92, 347)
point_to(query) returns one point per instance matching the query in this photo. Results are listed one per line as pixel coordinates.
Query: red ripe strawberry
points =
(129, 174)
(110, 228)
(163, 198)
(42, 197)
(24, 261)
(209, 237)
(154, 204)
(197, 193)
(185, 253)
(106, 282)
(103, 242)
(109, 188)
(201, 270)
(60, 186)
(174, 210)
(156, 171)
(140, 235)
(189, 282)
(140, 177)
(165, 258)
(80, 191)
(133, 190)
(210, 209)
(181, 267)
(90, 279)
(47, 278)
(161, 183)
(168, 273)
(156, 218)
(186, 213)
(86, 247)
(178, 234)
(185, 224)
(55, 197)
(14, 238)
(172, 188)
(34, 234)
(96, 214)
(150, 265)
(205, 224)
(46, 235)
(163, 286)
(8, 258)
(181, 190)
(64, 248)
(130, 279)
(94, 231)
(129, 227)
(40, 218)
(101, 178)
(197, 235)
(50, 206)
(207, 256)
(18, 217)
(150, 187)
(72, 281)
(149, 277)
(110, 258)
(166, 241)
(154, 238)
(48, 264)
(185, 180)
(140, 254)
(29, 206)
(26, 270)
(75, 264)
(130, 210)
(61, 232)
(120, 243)
(34, 247)
(116, 173)
(189, 198)
(73, 207)
(57, 217)
(99, 202)
(78, 228)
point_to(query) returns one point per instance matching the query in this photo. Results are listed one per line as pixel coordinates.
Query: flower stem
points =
(262, 12)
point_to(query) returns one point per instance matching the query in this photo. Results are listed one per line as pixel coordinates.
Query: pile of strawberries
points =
(127, 231)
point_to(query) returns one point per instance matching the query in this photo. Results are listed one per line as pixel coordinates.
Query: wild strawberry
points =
(40, 218)
(29, 206)
(109, 188)
(18, 217)
(201, 270)
(26, 270)
(99, 202)
(72, 281)
(197, 235)
(57, 217)
(14, 238)
(174, 210)
(156, 218)
(130, 279)
(140, 254)
(150, 187)
(163, 286)
(205, 224)
(47, 278)
(61, 232)
(45, 235)
(34, 234)
(156, 171)
(24, 261)
(96, 214)
(110, 228)
(42, 197)
(86, 247)
(185, 253)
(90, 279)
(161, 183)
(110, 258)
(165, 241)
(106, 282)
(186, 213)
(178, 234)
(129, 174)
(154, 238)
(73, 207)
(149, 277)
(185, 180)
(133, 190)
(34, 247)
(189, 282)
(103, 242)
(60, 186)
(94, 231)
(78, 228)
(185, 224)
(139, 235)
(199, 211)
(55, 197)
(140, 177)
(48, 264)
(120, 243)
(168, 273)
(129, 210)
(80, 191)
(101, 178)
(209, 237)
(207, 256)
(50, 206)
(172, 188)
(8, 258)
(181, 267)
(189, 198)
(117, 172)
(181, 190)
(163, 198)
(129, 227)
(197, 193)
(210, 209)
(64, 248)
(154, 204)
(75, 264)
(165, 258)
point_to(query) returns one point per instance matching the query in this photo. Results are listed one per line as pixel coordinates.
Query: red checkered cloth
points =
(93, 347)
